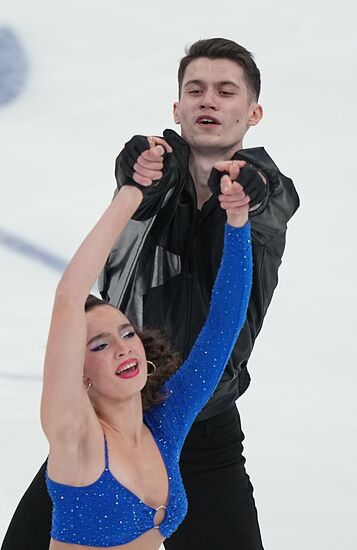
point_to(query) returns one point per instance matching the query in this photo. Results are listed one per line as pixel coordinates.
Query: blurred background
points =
(77, 80)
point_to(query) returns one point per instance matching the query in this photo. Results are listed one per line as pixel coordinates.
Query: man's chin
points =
(213, 145)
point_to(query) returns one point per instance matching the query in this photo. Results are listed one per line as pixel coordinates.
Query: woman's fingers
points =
(150, 163)
(231, 190)
(231, 166)
(155, 141)
(233, 199)
(149, 171)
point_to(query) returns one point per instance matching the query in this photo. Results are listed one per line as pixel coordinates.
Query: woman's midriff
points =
(151, 540)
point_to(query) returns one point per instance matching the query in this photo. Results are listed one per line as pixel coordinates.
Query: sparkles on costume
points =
(105, 513)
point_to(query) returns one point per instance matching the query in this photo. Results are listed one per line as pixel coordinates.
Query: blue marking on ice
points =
(13, 66)
(33, 251)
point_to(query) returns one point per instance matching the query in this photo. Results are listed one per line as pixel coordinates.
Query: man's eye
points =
(100, 347)
(195, 92)
(225, 92)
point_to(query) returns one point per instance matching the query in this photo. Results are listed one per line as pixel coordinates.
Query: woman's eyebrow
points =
(97, 336)
(107, 334)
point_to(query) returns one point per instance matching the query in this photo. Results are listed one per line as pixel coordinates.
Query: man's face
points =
(215, 109)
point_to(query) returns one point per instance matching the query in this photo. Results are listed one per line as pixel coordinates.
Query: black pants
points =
(221, 516)
(221, 510)
(31, 524)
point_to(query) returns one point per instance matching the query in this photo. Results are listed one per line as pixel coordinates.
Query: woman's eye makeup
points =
(99, 346)
(128, 333)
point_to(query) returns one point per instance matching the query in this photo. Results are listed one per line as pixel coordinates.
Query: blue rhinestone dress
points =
(105, 513)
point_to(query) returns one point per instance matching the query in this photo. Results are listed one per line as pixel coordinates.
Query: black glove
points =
(250, 179)
(124, 164)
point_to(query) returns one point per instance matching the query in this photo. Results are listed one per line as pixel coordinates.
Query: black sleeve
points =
(269, 225)
(272, 217)
(266, 260)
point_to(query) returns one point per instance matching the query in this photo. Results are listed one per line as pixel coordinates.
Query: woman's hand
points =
(232, 197)
(150, 163)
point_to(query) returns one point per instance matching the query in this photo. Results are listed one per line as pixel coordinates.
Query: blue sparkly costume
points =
(105, 513)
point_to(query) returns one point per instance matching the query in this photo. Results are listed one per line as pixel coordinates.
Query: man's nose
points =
(209, 100)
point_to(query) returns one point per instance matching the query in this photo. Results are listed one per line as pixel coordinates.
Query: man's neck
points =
(200, 166)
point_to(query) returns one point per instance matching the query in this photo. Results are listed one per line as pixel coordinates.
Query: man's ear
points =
(255, 114)
(175, 110)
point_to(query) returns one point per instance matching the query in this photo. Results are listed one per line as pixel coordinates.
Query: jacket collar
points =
(256, 155)
(181, 148)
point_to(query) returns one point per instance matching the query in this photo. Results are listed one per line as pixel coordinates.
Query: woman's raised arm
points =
(63, 391)
(64, 397)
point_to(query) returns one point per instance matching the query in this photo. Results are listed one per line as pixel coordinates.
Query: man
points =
(172, 251)
(162, 274)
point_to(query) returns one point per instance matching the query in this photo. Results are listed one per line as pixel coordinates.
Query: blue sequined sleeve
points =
(193, 384)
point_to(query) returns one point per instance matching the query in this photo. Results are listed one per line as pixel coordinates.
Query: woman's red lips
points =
(128, 369)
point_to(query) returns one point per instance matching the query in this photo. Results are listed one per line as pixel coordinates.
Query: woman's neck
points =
(125, 419)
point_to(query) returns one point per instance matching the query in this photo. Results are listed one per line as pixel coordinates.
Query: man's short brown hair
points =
(222, 48)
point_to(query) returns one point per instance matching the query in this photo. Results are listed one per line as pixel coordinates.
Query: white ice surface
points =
(101, 71)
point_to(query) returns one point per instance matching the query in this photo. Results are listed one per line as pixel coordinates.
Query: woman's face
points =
(115, 360)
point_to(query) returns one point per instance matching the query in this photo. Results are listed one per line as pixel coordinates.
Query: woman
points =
(113, 473)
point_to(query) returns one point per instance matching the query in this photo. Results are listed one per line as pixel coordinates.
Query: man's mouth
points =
(128, 369)
(207, 120)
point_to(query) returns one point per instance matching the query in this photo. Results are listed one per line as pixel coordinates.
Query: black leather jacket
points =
(162, 269)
